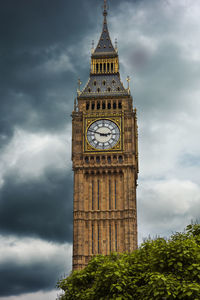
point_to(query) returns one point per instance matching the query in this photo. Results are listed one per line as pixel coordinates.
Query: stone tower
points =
(105, 159)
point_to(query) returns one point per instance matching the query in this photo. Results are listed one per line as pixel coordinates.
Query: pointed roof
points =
(105, 44)
(104, 85)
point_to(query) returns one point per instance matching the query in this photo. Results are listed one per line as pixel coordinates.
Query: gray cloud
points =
(31, 265)
(39, 207)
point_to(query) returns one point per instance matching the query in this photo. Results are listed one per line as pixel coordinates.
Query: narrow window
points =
(93, 106)
(98, 192)
(98, 90)
(120, 159)
(120, 105)
(116, 237)
(115, 194)
(108, 67)
(109, 105)
(111, 67)
(98, 238)
(110, 237)
(109, 159)
(114, 105)
(100, 68)
(92, 194)
(87, 160)
(97, 68)
(95, 83)
(104, 67)
(103, 105)
(98, 159)
(98, 105)
(87, 106)
(109, 194)
(92, 238)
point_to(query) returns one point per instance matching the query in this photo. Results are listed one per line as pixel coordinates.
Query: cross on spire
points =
(105, 8)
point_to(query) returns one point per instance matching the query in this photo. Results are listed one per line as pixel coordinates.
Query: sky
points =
(45, 46)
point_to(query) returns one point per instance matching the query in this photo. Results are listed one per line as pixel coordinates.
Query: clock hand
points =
(101, 134)
(93, 131)
(109, 133)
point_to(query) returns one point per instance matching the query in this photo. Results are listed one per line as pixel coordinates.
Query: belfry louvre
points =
(105, 159)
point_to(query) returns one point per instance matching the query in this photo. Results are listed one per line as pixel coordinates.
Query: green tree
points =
(159, 269)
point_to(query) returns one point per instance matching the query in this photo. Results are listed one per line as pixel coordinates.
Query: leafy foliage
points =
(159, 270)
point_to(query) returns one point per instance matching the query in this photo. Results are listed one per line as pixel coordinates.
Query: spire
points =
(104, 73)
(105, 45)
(105, 10)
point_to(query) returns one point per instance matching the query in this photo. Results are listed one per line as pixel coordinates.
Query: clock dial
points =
(103, 134)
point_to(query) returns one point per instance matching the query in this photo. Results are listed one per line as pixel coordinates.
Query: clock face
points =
(103, 134)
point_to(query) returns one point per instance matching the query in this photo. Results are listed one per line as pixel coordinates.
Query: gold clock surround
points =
(88, 120)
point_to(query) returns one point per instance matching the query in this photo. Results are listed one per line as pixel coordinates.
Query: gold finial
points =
(79, 86)
(128, 80)
(92, 50)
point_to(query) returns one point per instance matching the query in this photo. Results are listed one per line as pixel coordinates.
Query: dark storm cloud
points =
(17, 279)
(39, 207)
(33, 24)
(32, 34)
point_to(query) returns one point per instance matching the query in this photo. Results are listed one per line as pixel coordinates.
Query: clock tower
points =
(105, 159)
